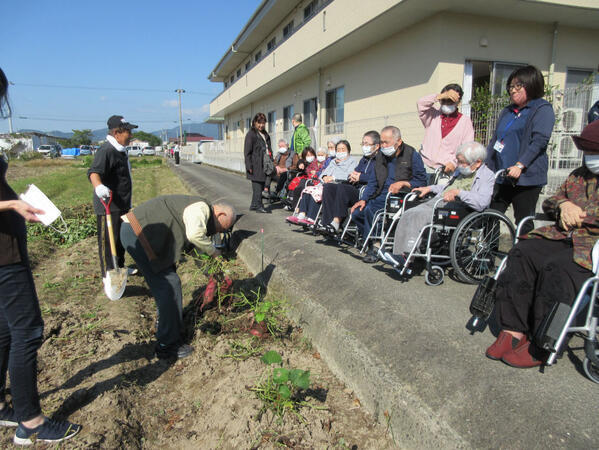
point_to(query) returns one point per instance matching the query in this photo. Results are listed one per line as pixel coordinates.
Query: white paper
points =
(36, 198)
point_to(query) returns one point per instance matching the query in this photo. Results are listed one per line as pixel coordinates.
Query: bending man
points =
(155, 234)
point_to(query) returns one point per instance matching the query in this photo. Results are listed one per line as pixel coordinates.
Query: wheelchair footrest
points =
(483, 301)
(552, 326)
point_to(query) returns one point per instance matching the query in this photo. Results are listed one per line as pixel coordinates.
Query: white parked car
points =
(134, 150)
(149, 151)
(50, 150)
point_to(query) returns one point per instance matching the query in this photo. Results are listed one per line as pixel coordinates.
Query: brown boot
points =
(521, 356)
(505, 342)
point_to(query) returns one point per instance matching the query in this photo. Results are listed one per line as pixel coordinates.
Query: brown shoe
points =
(505, 342)
(521, 356)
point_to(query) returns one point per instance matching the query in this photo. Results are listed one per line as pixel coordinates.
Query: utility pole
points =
(9, 119)
(180, 91)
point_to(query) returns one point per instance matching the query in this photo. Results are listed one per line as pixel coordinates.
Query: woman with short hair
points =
(445, 128)
(519, 144)
(257, 145)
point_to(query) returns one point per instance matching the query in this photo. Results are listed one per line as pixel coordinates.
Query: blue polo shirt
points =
(510, 131)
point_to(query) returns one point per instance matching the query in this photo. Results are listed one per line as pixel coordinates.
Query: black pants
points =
(336, 198)
(177, 160)
(522, 198)
(166, 290)
(104, 241)
(21, 330)
(539, 273)
(257, 188)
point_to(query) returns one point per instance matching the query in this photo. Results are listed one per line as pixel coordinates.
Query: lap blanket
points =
(315, 192)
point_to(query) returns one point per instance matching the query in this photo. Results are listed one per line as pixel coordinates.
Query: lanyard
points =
(511, 122)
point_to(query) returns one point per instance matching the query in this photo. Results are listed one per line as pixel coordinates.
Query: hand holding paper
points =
(27, 211)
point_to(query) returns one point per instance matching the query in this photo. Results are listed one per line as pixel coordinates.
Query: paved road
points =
(403, 347)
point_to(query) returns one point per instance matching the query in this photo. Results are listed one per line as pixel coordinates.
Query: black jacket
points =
(113, 168)
(253, 151)
(403, 167)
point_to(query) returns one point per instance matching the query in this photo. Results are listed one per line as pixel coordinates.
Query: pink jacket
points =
(435, 150)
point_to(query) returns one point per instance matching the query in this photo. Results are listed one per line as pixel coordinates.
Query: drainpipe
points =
(553, 51)
(318, 109)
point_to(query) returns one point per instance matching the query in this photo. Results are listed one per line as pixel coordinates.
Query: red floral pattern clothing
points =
(579, 188)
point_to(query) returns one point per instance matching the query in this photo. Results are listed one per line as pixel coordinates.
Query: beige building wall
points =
(382, 83)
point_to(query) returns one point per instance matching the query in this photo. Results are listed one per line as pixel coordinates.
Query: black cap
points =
(119, 122)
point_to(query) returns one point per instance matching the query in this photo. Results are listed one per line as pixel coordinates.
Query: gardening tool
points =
(115, 280)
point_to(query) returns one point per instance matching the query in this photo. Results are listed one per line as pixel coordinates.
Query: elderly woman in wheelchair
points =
(547, 268)
(470, 187)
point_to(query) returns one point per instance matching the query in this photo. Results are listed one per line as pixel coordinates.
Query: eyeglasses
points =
(515, 87)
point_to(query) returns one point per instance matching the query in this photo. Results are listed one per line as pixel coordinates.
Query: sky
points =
(147, 48)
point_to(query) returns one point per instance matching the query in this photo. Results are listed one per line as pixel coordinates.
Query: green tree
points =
(147, 137)
(81, 137)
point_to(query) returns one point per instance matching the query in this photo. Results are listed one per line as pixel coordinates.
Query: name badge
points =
(498, 147)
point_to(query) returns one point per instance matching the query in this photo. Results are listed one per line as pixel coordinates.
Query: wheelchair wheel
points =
(434, 276)
(479, 243)
(591, 370)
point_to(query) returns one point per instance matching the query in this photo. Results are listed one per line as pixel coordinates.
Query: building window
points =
(334, 110)
(238, 73)
(287, 115)
(226, 84)
(248, 123)
(271, 44)
(248, 65)
(232, 79)
(309, 10)
(310, 112)
(258, 56)
(288, 29)
(501, 72)
(271, 121)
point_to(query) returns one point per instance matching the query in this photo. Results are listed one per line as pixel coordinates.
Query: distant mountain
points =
(207, 129)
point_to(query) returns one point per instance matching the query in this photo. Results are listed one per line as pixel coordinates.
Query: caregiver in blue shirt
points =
(519, 145)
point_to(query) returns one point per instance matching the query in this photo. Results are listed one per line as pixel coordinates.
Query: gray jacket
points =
(479, 196)
(339, 170)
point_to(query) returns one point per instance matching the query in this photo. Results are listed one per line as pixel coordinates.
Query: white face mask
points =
(321, 158)
(388, 151)
(332, 153)
(282, 150)
(448, 109)
(367, 150)
(309, 159)
(592, 163)
(341, 155)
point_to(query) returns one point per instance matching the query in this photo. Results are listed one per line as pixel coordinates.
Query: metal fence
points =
(570, 105)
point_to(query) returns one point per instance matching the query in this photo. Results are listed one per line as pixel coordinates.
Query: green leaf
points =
(300, 378)
(259, 317)
(271, 357)
(284, 392)
(280, 375)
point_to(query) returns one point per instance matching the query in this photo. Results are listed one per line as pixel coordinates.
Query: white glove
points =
(102, 192)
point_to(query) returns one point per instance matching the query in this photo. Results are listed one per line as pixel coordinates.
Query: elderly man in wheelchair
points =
(547, 268)
(470, 188)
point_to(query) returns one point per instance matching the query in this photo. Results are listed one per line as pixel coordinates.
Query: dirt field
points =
(96, 365)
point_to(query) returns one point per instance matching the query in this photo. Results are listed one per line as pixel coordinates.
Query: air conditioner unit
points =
(566, 148)
(573, 119)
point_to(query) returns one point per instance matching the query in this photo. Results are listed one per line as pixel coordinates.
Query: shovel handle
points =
(109, 226)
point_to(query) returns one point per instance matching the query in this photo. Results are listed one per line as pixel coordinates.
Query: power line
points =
(59, 119)
(98, 88)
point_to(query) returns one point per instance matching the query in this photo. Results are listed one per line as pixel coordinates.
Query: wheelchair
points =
(382, 222)
(581, 318)
(473, 243)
